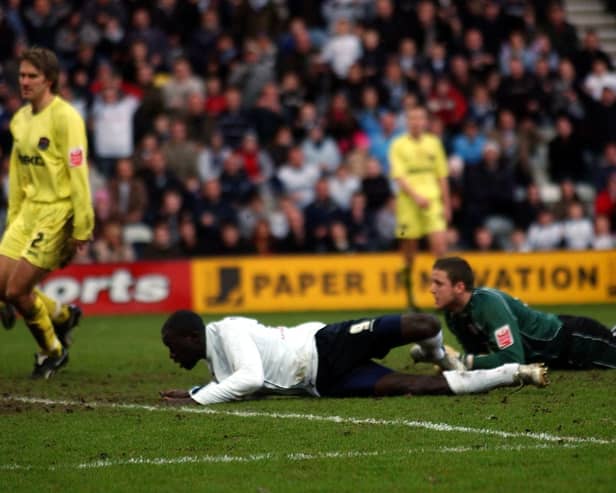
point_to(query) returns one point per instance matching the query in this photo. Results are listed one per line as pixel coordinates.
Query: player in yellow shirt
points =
(50, 211)
(419, 167)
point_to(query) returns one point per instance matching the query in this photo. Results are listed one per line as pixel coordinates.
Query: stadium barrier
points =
(322, 282)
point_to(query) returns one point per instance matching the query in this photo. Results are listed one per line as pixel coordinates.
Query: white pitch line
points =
(427, 425)
(294, 457)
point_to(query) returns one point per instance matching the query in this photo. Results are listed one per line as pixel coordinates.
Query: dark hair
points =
(458, 270)
(183, 323)
(44, 60)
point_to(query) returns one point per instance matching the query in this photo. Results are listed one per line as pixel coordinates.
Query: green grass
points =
(86, 437)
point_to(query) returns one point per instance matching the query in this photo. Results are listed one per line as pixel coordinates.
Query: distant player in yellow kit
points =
(419, 167)
(50, 212)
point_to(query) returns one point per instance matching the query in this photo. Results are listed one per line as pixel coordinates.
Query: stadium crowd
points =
(262, 126)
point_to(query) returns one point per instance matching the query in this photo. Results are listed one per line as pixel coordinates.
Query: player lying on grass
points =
(495, 328)
(247, 358)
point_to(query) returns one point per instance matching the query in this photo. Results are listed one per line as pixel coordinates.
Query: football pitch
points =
(99, 426)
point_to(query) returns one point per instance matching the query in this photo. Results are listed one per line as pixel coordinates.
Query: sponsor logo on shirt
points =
(75, 157)
(33, 160)
(43, 143)
(504, 337)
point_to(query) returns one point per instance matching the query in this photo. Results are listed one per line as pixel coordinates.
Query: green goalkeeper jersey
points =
(497, 329)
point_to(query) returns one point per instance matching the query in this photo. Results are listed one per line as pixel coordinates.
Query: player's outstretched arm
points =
(176, 396)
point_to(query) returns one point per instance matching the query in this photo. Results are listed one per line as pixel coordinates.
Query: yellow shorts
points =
(40, 234)
(413, 222)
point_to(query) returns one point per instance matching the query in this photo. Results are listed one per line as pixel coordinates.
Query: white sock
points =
(433, 346)
(477, 381)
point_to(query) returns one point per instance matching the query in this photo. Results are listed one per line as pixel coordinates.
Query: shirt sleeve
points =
(442, 170)
(74, 146)
(247, 377)
(504, 338)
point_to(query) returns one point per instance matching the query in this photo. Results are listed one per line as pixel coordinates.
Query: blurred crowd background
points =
(262, 126)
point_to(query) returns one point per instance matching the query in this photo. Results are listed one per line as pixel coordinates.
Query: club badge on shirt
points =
(504, 337)
(75, 157)
(43, 143)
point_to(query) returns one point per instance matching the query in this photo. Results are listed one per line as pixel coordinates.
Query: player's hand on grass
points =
(176, 396)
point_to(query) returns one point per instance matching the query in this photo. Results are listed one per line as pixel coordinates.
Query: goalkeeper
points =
(50, 209)
(494, 328)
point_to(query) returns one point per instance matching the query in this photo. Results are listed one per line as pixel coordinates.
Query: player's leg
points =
(587, 344)
(373, 379)
(64, 317)
(20, 292)
(408, 232)
(438, 243)
(7, 311)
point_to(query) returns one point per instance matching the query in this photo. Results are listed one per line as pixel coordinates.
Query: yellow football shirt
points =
(49, 162)
(420, 161)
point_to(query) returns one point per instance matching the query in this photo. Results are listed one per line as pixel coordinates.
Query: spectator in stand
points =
(162, 246)
(483, 240)
(338, 238)
(369, 111)
(375, 186)
(527, 210)
(212, 210)
(157, 178)
(605, 202)
(111, 121)
(517, 242)
(429, 28)
(481, 108)
(251, 74)
(599, 78)
(180, 85)
(202, 42)
(515, 48)
(489, 189)
(234, 182)
(359, 222)
(479, 58)
(394, 84)
(590, 51)
(181, 152)
(372, 60)
(190, 243)
(257, 163)
(342, 49)
(295, 240)
(262, 240)
(565, 153)
(298, 178)
(211, 158)
(562, 34)
(110, 246)
(601, 118)
(382, 139)
(234, 122)
(469, 144)
(151, 101)
(578, 230)
(448, 104)
(388, 24)
(604, 238)
(340, 122)
(129, 198)
(545, 233)
(319, 214)
(566, 92)
(267, 116)
(342, 186)
(568, 195)
(228, 242)
(605, 167)
(141, 28)
(321, 150)
(517, 91)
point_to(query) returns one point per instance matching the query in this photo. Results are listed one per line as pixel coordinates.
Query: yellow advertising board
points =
(372, 281)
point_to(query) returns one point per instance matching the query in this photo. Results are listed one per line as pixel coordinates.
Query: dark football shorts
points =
(346, 350)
